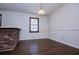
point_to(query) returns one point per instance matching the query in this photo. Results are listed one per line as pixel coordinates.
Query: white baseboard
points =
(34, 39)
(74, 46)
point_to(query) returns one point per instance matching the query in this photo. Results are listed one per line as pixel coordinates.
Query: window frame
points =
(37, 25)
(0, 20)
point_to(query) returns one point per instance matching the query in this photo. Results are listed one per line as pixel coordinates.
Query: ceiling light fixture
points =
(41, 11)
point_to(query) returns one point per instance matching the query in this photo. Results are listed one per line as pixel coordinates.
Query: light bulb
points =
(41, 12)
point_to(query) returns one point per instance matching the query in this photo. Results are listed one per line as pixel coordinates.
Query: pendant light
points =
(41, 11)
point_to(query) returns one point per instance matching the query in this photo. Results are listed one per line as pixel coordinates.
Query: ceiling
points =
(30, 7)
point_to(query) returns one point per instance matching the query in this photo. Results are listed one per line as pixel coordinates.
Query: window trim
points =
(0, 20)
(30, 25)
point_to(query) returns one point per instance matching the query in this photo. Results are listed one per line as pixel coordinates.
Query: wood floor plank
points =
(41, 47)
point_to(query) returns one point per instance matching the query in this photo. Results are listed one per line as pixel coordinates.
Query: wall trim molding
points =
(69, 29)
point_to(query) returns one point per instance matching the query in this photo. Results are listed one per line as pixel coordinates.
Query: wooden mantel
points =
(9, 28)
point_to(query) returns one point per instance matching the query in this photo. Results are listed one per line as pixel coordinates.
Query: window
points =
(0, 19)
(34, 25)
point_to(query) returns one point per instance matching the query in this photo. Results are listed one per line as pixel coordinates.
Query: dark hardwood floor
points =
(41, 47)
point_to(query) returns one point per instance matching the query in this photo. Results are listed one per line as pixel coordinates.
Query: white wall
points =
(21, 20)
(64, 25)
